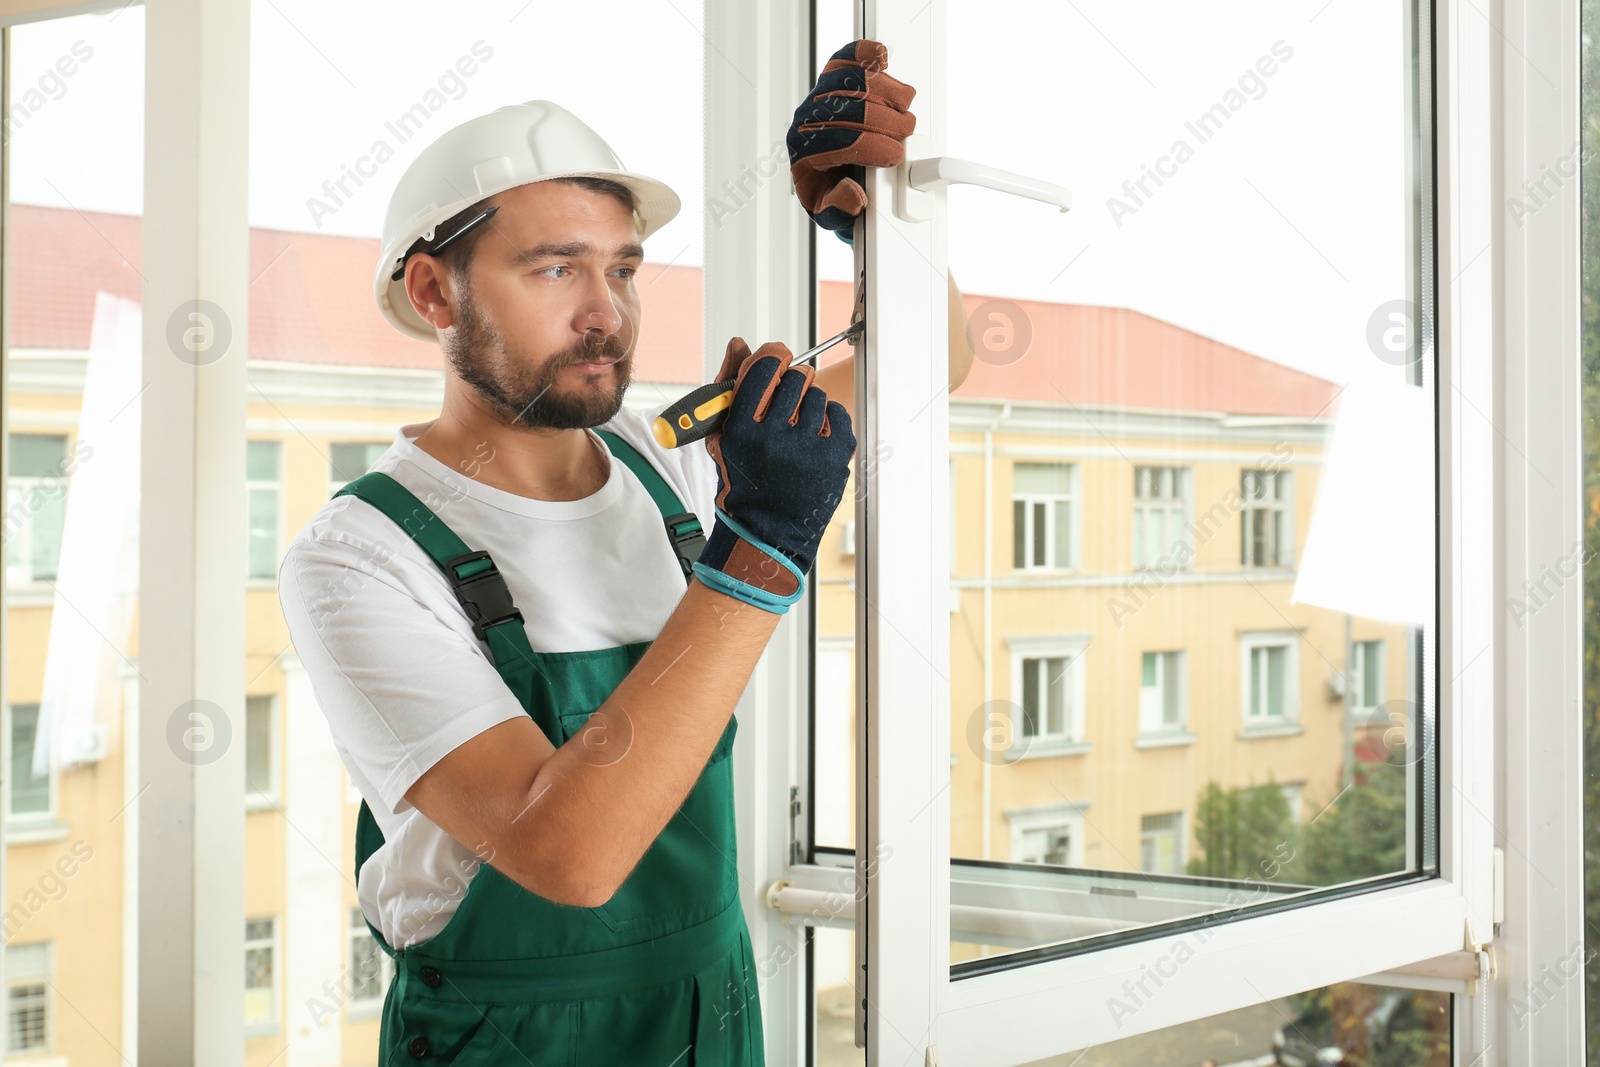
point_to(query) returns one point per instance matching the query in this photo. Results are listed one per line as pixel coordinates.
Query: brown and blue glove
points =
(854, 117)
(783, 457)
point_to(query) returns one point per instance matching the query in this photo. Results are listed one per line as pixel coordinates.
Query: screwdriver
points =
(703, 411)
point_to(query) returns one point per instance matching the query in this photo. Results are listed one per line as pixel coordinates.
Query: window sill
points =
(30, 595)
(260, 1029)
(254, 802)
(19, 832)
(1278, 729)
(1164, 739)
(1040, 748)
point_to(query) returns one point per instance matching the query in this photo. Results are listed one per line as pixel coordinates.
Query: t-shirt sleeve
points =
(401, 682)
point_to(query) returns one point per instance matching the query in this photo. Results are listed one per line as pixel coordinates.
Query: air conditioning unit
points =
(85, 744)
(847, 541)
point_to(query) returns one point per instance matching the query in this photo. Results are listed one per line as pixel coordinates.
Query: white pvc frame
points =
(914, 1011)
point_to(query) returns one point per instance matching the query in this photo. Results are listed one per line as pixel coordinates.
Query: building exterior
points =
(1128, 501)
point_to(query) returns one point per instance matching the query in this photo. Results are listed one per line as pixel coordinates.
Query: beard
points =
(526, 397)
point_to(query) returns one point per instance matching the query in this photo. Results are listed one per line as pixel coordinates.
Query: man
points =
(528, 652)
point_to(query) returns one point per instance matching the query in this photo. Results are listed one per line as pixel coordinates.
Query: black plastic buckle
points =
(484, 595)
(688, 542)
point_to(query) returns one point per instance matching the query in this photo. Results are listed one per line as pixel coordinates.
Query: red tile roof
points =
(311, 302)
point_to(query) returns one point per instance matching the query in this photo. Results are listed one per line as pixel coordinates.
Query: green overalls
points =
(662, 974)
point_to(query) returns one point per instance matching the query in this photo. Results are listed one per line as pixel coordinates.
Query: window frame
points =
(1179, 833)
(19, 823)
(993, 1014)
(1180, 505)
(13, 980)
(1260, 640)
(1380, 686)
(270, 798)
(1042, 647)
(1071, 498)
(365, 1007)
(22, 483)
(1281, 504)
(1069, 815)
(274, 946)
(1160, 731)
(276, 487)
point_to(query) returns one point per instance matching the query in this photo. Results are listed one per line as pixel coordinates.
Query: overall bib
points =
(662, 974)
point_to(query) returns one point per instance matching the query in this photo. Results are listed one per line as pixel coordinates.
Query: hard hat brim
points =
(655, 205)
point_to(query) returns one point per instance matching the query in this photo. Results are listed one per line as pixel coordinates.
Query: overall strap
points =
(683, 528)
(476, 581)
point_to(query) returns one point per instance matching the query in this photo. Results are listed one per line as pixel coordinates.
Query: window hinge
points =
(796, 854)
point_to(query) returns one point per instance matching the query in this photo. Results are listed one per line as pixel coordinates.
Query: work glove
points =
(782, 455)
(854, 117)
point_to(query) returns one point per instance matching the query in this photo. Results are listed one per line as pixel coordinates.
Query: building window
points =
(1163, 691)
(1052, 834)
(263, 492)
(1366, 674)
(1161, 842)
(260, 985)
(1294, 796)
(1047, 844)
(1047, 675)
(36, 506)
(1270, 681)
(28, 795)
(1161, 536)
(349, 460)
(28, 997)
(370, 966)
(1043, 513)
(260, 750)
(1267, 539)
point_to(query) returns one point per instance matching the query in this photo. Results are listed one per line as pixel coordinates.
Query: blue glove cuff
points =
(725, 583)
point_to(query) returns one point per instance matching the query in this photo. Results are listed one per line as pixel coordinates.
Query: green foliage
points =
(1362, 834)
(1241, 831)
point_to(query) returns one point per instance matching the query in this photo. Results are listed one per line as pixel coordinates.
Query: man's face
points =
(547, 315)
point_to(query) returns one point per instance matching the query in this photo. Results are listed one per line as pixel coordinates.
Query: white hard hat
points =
(510, 146)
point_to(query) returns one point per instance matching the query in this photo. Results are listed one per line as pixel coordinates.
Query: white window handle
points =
(917, 175)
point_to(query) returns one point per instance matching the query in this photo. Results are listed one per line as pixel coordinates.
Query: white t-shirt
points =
(392, 657)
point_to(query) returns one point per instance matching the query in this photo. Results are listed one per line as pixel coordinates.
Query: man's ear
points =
(431, 290)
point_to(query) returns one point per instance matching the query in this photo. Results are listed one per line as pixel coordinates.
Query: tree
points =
(1241, 832)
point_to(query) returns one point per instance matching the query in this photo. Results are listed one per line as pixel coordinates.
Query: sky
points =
(1279, 229)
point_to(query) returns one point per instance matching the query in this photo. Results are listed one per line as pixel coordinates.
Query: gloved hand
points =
(855, 117)
(783, 455)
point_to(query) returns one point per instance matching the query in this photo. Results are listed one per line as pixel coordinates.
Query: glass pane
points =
(1030, 698)
(1264, 343)
(1038, 535)
(833, 997)
(1042, 479)
(1019, 534)
(75, 139)
(1055, 695)
(1063, 529)
(1348, 1023)
(258, 746)
(29, 792)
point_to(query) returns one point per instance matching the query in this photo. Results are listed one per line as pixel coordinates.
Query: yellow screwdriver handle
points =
(696, 415)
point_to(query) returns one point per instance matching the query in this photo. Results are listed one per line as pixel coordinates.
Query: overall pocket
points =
(690, 872)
